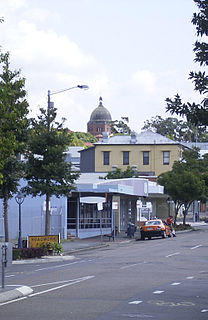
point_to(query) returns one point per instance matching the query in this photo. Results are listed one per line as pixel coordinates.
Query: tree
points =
(119, 174)
(185, 182)
(196, 113)
(47, 172)
(13, 132)
(120, 126)
(81, 138)
(175, 129)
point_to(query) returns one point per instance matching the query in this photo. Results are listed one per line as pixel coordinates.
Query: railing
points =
(89, 223)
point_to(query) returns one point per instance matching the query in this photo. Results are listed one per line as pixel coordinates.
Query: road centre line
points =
(59, 266)
(60, 287)
(56, 282)
(172, 254)
(158, 291)
(135, 302)
(132, 265)
(200, 245)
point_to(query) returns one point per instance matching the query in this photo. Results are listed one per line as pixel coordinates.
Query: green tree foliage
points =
(119, 174)
(186, 181)
(175, 129)
(197, 113)
(120, 126)
(81, 138)
(13, 132)
(47, 172)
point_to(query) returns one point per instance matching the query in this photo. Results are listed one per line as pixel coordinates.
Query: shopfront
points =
(97, 208)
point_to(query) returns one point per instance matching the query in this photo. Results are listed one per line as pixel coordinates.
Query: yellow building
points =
(148, 153)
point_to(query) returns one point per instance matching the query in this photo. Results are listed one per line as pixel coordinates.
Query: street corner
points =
(16, 293)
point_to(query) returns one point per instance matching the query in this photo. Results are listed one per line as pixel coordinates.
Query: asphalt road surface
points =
(152, 279)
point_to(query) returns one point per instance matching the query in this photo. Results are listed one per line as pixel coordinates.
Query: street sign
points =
(6, 249)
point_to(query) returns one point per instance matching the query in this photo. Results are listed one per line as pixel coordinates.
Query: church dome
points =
(100, 113)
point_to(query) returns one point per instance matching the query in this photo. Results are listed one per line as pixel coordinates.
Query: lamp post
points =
(20, 199)
(49, 111)
(83, 86)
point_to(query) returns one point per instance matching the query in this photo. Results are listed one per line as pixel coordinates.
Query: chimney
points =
(105, 137)
(133, 138)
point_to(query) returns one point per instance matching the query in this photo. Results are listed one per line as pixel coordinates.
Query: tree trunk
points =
(184, 215)
(6, 227)
(48, 216)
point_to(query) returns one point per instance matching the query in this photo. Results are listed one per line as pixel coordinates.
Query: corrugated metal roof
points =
(145, 137)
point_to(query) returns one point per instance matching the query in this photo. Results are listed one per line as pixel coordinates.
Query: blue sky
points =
(133, 53)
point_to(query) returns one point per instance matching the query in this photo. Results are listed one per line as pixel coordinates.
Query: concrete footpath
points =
(69, 248)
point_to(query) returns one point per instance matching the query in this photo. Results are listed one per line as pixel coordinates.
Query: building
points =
(92, 209)
(149, 153)
(99, 121)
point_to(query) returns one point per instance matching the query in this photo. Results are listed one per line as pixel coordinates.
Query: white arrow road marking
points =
(135, 302)
(63, 286)
(158, 292)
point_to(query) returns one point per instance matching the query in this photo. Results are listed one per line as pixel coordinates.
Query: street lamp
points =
(83, 86)
(20, 199)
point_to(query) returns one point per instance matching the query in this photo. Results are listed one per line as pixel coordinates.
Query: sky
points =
(133, 53)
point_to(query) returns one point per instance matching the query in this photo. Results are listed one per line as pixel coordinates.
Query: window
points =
(106, 158)
(99, 129)
(125, 157)
(166, 157)
(145, 157)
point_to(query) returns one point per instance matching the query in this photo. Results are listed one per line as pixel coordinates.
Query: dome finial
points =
(101, 100)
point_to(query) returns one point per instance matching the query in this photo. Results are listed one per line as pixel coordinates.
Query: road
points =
(152, 279)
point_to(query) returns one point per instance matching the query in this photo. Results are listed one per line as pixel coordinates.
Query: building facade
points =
(149, 153)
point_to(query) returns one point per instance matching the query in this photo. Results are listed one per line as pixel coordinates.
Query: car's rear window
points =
(152, 223)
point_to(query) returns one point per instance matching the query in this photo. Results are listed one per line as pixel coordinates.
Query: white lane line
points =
(135, 302)
(59, 266)
(204, 310)
(11, 275)
(189, 278)
(131, 265)
(199, 245)
(55, 282)
(175, 283)
(158, 292)
(172, 254)
(15, 300)
(60, 287)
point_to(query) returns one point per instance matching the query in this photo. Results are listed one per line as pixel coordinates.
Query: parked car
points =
(155, 228)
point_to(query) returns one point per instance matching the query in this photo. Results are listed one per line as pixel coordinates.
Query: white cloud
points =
(46, 47)
(145, 80)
